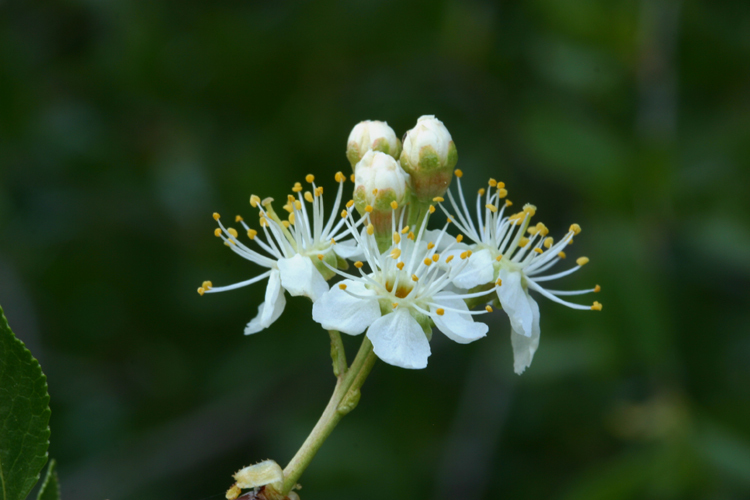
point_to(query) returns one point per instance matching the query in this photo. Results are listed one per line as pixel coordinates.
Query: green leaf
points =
(24, 416)
(50, 489)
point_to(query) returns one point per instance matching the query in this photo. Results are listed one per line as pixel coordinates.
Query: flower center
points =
(402, 290)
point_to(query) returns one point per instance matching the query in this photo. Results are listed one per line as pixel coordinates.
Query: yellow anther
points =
(263, 222)
(529, 209)
(439, 311)
(405, 230)
(400, 266)
(339, 177)
(238, 218)
(319, 191)
(288, 207)
(468, 253)
(488, 308)
(310, 178)
(352, 177)
(435, 257)
(290, 198)
(575, 228)
(502, 193)
(597, 289)
(333, 241)
(465, 255)
(370, 229)
(229, 242)
(358, 264)
(410, 235)
(538, 250)
(438, 199)
(395, 305)
(499, 258)
(508, 203)
(342, 286)
(492, 208)
(459, 238)
(297, 205)
(201, 290)
(350, 204)
(548, 242)
(252, 233)
(232, 231)
(308, 197)
(207, 285)
(217, 216)
(570, 241)
(291, 218)
(217, 232)
(432, 209)
(499, 282)
(561, 255)
(492, 182)
(430, 246)
(375, 191)
(427, 262)
(532, 230)
(394, 204)
(582, 261)
(368, 209)
(396, 238)
(596, 307)
(285, 224)
(449, 258)
(523, 242)
(500, 185)
(459, 173)
(321, 256)
(344, 213)
(481, 191)
(542, 229)
(297, 187)
(414, 277)
(233, 492)
(395, 253)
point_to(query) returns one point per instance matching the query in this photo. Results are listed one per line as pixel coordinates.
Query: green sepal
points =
(50, 489)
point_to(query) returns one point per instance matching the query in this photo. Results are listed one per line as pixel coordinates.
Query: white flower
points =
(297, 252)
(504, 254)
(371, 135)
(406, 290)
(429, 155)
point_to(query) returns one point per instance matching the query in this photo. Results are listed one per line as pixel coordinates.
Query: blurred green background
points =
(124, 125)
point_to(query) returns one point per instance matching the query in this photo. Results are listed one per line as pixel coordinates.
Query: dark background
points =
(124, 125)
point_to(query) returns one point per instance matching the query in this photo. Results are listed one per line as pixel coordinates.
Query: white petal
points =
(458, 327)
(299, 276)
(480, 270)
(525, 347)
(337, 310)
(272, 311)
(433, 235)
(398, 340)
(348, 249)
(516, 302)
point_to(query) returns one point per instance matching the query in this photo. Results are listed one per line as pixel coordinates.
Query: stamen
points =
(395, 305)
(309, 178)
(342, 286)
(217, 216)
(352, 177)
(435, 257)
(207, 285)
(439, 311)
(238, 219)
(375, 191)
(508, 203)
(232, 231)
(319, 191)
(449, 258)
(320, 256)
(400, 266)
(339, 177)
(333, 241)
(297, 187)
(492, 182)
(458, 172)
(405, 230)
(414, 277)
(217, 232)
(597, 289)
(368, 209)
(358, 264)
(575, 228)
(291, 218)
(394, 204)
(481, 191)
(548, 242)
(410, 235)
(252, 233)
(370, 229)
(430, 246)
(201, 291)
(308, 197)
(285, 224)
(465, 255)
(582, 261)
(344, 213)
(502, 193)
(297, 205)
(523, 242)
(499, 282)
(438, 199)
(538, 250)
(491, 208)
(488, 308)
(561, 255)
(529, 209)
(427, 262)
(395, 253)
(432, 209)
(459, 238)
(596, 307)
(499, 258)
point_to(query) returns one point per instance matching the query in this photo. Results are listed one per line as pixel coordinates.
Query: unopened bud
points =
(429, 156)
(261, 474)
(371, 135)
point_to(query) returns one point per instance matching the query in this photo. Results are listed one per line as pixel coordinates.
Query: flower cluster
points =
(404, 278)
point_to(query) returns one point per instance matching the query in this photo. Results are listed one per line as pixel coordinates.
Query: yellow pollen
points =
(344, 213)
(207, 285)
(596, 307)
(350, 204)
(481, 191)
(288, 207)
(201, 291)
(310, 178)
(297, 187)
(492, 182)
(499, 282)
(499, 258)
(229, 242)
(297, 205)
(291, 218)
(538, 250)
(439, 311)
(549, 242)
(232, 231)
(561, 255)
(491, 208)
(339, 177)
(468, 252)
(508, 203)
(319, 191)
(529, 209)
(575, 228)
(405, 230)
(358, 264)
(438, 199)
(290, 198)
(410, 235)
(375, 191)
(308, 197)
(400, 266)
(320, 256)
(597, 289)
(430, 246)
(342, 286)
(459, 173)
(427, 262)
(432, 209)
(414, 277)
(488, 308)
(435, 257)
(502, 193)
(532, 230)
(524, 241)
(263, 222)
(217, 216)
(368, 209)
(238, 219)
(465, 255)
(459, 238)
(370, 229)
(217, 232)
(394, 204)
(449, 258)
(352, 177)
(333, 241)
(285, 224)
(251, 233)
(396, 238)
(395, 253)
(395, 305)
(582, 261)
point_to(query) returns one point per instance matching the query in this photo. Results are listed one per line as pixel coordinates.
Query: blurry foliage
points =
(123, 125)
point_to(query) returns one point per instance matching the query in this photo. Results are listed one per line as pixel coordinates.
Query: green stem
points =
(344, 399)
(338, 354)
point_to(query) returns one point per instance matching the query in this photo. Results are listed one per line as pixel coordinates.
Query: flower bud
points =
(371, 135)
(429, 156)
